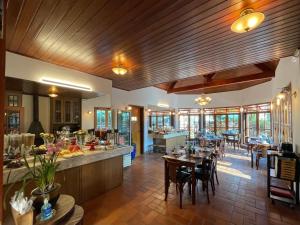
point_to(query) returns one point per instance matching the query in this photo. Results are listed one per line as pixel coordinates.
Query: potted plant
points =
(21, 209)
(43, 173)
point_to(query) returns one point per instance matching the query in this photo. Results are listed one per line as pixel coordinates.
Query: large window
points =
(221, 123)
(210, 123)
(234, 122)
(103, 118)
(251, 122)
(184, 122)
(160, 120)
(219, 120)
(264, 123)
(194, 125)
(258, 120)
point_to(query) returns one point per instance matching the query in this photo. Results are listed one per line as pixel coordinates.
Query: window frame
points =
(107, 110)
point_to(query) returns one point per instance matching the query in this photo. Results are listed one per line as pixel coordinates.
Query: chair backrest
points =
(288, 168)
(207, 168)
(173, 166)
(263, 149)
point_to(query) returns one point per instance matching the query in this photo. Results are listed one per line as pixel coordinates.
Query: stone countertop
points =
(171, 135)
(67, 163)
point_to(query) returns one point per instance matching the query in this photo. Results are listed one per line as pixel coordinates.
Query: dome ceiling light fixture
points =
(53, 92)
(249, 20)
(119, 69)
(202, 100)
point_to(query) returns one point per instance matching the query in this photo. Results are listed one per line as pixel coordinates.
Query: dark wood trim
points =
(2, 101)
(230, 81)
(142, 111)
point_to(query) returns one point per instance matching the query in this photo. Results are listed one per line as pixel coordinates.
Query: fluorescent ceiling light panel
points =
(65, 84)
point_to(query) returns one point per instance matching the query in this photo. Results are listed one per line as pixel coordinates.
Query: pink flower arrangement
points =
(54, 148)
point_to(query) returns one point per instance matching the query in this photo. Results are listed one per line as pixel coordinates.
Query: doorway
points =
(137, 124)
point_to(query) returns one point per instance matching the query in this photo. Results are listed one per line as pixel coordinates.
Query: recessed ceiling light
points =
(249, 20)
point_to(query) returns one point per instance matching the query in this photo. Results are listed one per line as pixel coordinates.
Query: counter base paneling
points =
(86, 181)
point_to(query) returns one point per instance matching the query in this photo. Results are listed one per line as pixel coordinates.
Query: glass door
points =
(124, 128)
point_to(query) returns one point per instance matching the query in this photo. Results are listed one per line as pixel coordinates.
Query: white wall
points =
(89, 105)
(142, 97)
(257, 94)
(31, 69)
(289, 72)
(44, 111)
(27, 103)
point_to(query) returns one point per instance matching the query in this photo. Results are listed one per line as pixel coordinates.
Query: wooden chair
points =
(221, 152)
(261, 152)
(214, 159)
(286, 169)
(177, 175)
(205, 174)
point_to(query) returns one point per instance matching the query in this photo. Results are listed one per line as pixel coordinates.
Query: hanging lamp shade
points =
(249, 20)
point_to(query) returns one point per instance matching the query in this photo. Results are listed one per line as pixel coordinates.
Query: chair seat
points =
(183, 176)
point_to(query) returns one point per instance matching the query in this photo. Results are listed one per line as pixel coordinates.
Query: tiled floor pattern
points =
(240, 198)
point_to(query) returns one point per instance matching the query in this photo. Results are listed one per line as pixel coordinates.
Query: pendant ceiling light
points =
(202, 100)
(119, 70)
(53, 92)
(249, 20)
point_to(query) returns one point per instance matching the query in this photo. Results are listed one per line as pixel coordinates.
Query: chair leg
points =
(257, 162)
(180, 195)
(212, 186)
(167, 192)
(207, 192)
(217, 177)
(203, 186)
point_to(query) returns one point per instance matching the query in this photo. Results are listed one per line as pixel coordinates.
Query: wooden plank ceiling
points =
(157, 40)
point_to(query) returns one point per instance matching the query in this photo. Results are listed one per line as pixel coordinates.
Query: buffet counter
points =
(162, 142)
(85, 176)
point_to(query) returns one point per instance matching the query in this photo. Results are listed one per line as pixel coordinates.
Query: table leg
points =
(166, 181)
(268, 176)
(193, 186)
(251, 157)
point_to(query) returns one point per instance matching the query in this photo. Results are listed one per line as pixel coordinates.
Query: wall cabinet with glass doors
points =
(65, 110)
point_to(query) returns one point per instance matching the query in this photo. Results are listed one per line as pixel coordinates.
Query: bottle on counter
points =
(46, 210)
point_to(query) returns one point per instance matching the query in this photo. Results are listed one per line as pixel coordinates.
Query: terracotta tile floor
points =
(240, 198)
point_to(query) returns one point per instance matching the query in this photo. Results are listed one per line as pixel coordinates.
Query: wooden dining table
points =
(234, 136)
(191, 162)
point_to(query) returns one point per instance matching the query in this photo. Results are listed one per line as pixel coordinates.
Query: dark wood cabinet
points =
(65, 111)
(70, 181)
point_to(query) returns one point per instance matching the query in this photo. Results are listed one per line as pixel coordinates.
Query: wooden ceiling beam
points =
(209, 76)
(263, 67)
(224, 82)
(172, 85)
